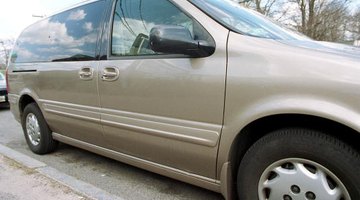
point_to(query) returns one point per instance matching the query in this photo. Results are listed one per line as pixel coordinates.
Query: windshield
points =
(245, 21)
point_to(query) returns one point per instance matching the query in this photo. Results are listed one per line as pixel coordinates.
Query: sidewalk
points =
(23, 177)
(18, 182)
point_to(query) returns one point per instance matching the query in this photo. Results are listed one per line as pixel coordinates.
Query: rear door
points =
(166, 109)
(61, 69)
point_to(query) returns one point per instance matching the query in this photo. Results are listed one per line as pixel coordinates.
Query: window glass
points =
(134, 19)
(68, 36)
(244, 21)
(1, 77)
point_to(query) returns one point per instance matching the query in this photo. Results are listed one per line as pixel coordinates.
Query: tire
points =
(293, 164)
(37, 133)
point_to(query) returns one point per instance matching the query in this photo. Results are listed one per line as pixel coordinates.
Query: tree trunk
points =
(311, 20)
(303, 15)
(258, 6)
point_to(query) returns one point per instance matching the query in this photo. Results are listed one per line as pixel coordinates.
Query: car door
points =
(166, 109)
(67, 82)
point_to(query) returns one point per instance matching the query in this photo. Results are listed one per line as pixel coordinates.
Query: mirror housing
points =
(178, 40)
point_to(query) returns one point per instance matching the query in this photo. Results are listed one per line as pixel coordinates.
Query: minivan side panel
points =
(60, 52)
(168, 110)
(71, 104)
(24, 81)
(266, 77)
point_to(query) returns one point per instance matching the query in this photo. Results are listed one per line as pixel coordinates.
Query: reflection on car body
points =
(203, 91)
(3, 89)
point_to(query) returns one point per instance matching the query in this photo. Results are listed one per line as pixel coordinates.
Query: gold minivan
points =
(203, 91)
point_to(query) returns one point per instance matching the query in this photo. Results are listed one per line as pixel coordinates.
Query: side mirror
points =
(178, 40)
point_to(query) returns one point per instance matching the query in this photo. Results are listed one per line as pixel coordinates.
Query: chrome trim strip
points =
(171, 172)
(164, 134)
(85, 113)
(73, 116)
(70, 106)
(182, 130)
(164, 120)
(200, 133)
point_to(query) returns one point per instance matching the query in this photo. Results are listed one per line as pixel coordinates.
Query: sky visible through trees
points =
(323, 20)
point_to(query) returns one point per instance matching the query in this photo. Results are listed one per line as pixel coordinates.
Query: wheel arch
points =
(262, 126)
(25, 100)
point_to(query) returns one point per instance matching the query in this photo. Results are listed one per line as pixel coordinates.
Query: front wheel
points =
(37, 133)
(294, 164)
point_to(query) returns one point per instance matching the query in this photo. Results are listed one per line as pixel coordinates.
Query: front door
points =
(166, 109)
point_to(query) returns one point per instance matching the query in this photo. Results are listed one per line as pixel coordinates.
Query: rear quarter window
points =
(67, 36)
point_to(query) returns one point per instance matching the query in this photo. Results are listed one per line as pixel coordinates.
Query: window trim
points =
(110, 56)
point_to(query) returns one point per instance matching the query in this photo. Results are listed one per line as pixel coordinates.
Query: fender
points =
(276, 105)
(15, 100)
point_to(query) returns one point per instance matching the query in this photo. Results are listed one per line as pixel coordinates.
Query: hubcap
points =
(33, 129)
(299, 179)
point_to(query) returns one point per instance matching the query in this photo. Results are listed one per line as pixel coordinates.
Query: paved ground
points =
(18, 182)
(111, 176)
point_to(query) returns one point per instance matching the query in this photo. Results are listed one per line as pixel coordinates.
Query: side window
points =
(68, 36)
(134, 19)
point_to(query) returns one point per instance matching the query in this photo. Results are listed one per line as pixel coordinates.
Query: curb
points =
(79, 186)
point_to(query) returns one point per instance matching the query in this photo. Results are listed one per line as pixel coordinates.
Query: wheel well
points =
(24, 101)
(259, 128)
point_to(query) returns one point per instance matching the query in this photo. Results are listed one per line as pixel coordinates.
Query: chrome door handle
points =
(110, 74)
(86, 73)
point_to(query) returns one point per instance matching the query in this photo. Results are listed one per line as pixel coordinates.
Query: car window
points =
(1, 77)
(134, 19)
(245, 21)
(68, 36)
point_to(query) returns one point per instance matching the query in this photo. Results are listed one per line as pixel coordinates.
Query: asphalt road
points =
(127, 182)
